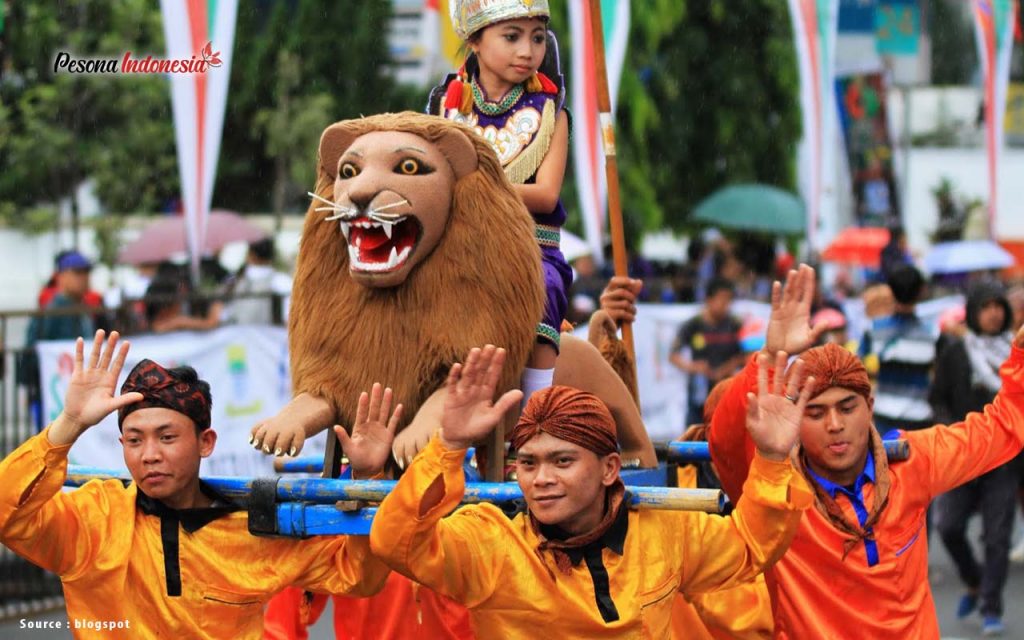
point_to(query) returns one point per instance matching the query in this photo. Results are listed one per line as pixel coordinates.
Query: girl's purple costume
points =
(520, 131)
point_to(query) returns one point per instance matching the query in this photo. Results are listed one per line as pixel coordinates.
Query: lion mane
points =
(481, 284)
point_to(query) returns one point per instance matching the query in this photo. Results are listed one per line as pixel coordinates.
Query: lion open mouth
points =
(380, 246)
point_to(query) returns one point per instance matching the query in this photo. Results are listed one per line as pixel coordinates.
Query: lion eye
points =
(412, 167)
(348, 170)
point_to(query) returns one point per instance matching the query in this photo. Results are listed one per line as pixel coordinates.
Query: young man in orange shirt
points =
(578, 563)
(858, 566)
(165, 556)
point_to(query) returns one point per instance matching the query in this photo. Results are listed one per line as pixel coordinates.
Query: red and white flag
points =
(204, 29)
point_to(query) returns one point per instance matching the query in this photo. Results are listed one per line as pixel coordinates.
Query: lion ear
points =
(460, 152)
(334, 141)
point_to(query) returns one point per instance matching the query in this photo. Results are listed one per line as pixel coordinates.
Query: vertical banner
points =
(588, 159)
(994, 27)
(862, 113)
(204, 29)
(815, 23)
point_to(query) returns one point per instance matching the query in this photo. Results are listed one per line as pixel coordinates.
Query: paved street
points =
(945, 585)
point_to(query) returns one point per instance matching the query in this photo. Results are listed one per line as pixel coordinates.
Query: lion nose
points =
(360, 200)
(361, 193)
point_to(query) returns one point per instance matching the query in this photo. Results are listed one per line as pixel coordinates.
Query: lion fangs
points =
(387, 228)
(393, 258)
(345, 229)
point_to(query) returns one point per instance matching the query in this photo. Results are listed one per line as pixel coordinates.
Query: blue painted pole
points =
(315, 464)
(322, 490)
(682, 452)
(687, 452)
(297, 519)
(678, 452)
(305, 464)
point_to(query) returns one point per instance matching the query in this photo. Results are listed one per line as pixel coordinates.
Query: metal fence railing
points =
(25, 589)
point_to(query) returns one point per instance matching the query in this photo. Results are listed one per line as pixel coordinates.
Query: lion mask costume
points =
(430, 252)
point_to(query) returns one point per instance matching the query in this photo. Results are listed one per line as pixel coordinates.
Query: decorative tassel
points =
(453, 96)
(534, 84)
(466, 106)
(458, 96)
(547, 86)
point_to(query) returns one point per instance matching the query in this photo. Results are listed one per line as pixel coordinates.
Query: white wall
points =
(968, 170)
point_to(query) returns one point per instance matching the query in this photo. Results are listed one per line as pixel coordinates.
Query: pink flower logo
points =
(211, 57)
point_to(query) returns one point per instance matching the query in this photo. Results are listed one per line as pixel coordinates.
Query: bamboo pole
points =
(611, 167)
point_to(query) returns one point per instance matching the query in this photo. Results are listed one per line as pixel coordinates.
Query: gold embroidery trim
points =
(524, 165)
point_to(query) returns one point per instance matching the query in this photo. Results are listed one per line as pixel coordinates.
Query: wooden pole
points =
(611, 167)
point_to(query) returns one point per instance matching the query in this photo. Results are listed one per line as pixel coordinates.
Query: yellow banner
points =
(450, 43)
(1014, 122)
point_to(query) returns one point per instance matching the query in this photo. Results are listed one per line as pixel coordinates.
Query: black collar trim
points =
(615, 540)
(191, 520)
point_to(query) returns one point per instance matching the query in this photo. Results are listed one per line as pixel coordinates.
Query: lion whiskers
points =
(375, 213)
(352, 212)
(342, 212)
(333, 204)
(388, 206)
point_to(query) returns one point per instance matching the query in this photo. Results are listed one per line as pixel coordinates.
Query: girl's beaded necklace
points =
(495, 108)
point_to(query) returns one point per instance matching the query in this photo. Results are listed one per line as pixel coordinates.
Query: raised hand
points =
(1019, 339)
(90, 395)
(773, 416)
(469, 414)
(789, 326)
(369, 445)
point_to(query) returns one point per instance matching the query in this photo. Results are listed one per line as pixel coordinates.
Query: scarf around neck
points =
(986, 354)
(827, 506)
(560, 548)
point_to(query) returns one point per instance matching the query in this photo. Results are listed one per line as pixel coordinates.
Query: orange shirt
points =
(741, 613)
(815, 592)
(403, 610)
(109, 555)
(483, 559)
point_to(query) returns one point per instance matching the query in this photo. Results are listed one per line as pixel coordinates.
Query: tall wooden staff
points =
(611, 167)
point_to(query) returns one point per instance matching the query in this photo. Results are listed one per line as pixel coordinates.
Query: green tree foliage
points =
(712, 101)
(59, 129)
(708, 97)
(336, 58)
(290, 128)
(298, 66)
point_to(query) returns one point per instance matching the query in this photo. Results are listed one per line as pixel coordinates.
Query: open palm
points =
(469, 413)
(773, 415)
(789, 326)
(369, 445)
(90, 396)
